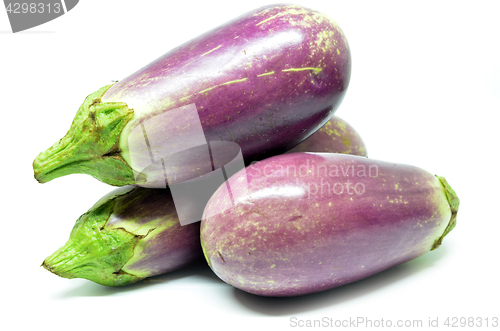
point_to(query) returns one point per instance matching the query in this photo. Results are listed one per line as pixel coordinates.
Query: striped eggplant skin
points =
(336, 136)
(265, 81)
(307, 222)
(130, 234)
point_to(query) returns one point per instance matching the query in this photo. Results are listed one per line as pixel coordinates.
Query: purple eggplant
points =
(336, 136)
(128, 235)
(264, 81)
(301, 223)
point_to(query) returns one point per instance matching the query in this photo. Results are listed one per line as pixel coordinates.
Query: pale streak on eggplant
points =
(266, 74)
(316, 70)
(211, 88)
(293, 10)
(210, 51)
(270, 18)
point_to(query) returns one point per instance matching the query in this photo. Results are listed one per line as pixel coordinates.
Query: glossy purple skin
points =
(336, 136)
(169, 246)
(265, 80)
(280, 239)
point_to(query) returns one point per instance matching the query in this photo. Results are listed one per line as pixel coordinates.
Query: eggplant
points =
(336, 136)
(130, 234)
(264, 81)
(301, 223)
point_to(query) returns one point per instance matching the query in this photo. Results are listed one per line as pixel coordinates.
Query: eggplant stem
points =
(91, 145)
(454, 202)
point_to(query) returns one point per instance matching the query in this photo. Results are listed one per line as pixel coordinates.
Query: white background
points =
(425, 90)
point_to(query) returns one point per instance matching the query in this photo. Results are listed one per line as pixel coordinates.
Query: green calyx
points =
(94, 252)
(454, 202)
(91, 146)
